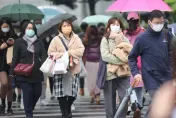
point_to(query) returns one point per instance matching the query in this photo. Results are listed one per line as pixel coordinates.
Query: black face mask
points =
(133, 24)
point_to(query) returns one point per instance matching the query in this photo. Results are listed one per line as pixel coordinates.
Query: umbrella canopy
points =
(96, 19)
(123, 104)
(50, 27)
(19, 12)
(139, 5)
(50, 12)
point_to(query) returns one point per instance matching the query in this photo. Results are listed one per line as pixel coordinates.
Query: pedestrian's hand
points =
(57, 55)
(3, 46)
(137, 80)
(10, 41)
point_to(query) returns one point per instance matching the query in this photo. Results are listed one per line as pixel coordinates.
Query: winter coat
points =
(132, 39)
(92, 52)
(106, 48)
(75, 49)
(3, 60)
(22, 55)
(153, 47)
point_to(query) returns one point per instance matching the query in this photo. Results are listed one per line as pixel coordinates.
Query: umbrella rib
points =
(11, 11)
(28, 12)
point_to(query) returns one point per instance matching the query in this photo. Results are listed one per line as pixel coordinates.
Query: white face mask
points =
(5, 30)
(115, 28)
(158, 27)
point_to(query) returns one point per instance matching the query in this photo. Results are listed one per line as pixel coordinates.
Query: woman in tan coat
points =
(66, 86)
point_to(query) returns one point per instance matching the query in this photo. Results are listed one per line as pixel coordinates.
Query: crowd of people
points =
(137, 57)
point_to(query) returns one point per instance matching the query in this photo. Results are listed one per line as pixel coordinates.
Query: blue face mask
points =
(30, 32)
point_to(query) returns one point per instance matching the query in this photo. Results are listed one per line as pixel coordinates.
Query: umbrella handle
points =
(133, 84)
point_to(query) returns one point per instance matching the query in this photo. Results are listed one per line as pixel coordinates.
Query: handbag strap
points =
(33, 56)
(63, 43)
(33, 59)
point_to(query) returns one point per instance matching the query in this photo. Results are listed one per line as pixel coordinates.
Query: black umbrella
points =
(50, 27)
(124, 103)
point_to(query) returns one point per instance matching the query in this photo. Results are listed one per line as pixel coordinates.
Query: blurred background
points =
(84, 8)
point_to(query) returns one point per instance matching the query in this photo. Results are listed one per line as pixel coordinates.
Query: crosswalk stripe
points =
(84, 109)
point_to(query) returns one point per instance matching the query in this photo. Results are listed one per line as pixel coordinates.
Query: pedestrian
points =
(81, 35)
(92, 42)
(29, 49)
(113, 83)
(7, 39)
(131, 33)
(17, 97)
(100, 24)
(153, 47)
(66, 85)
(46, 41)
(167, 95)
(101, 29)
(83, 27)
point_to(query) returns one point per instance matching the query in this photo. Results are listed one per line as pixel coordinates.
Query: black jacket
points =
(22, 55)
(3, 61)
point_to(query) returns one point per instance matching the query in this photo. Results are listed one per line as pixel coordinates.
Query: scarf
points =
(30, 42)
(118, 37)
(136, 31)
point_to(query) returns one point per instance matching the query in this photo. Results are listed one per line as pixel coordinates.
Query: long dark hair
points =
(92, 35)
(23, 23)
(111, 21)
(23, 30)
(11, 32)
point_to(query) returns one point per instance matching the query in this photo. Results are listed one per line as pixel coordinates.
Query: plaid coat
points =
(59, 86)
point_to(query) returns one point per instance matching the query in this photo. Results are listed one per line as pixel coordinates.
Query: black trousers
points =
(81, 82)
(31, 94)
(65, 104)
(51, 82)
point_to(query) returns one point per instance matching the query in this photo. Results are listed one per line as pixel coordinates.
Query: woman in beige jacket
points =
(66, 86)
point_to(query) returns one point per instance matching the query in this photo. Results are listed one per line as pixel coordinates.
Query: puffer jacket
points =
(93, 52)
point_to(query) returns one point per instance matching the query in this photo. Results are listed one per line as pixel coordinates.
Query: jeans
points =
(139, 95)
